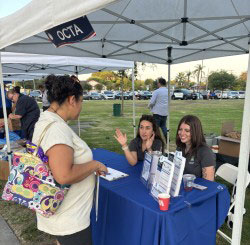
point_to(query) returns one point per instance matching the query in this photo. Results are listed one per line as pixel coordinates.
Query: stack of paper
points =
(114, 174)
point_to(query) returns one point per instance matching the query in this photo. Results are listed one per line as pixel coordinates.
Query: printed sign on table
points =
(179, 165)
(163, 177)
(145, 174)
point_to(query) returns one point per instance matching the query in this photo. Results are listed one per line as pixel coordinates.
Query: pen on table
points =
(105, 173)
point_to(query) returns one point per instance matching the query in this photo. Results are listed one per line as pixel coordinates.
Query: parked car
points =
(86, 95)
(144, 95)
(126, 96)
(131, 94)
(184, 94)
(241, 94)
(225, 94)
(205, 94)
(218, 94)
(94, 96)
(102, 96)
(36, 94)
(109, 95)
(199, 96)
(233, 95)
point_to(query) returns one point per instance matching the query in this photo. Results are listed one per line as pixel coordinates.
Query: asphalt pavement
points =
(7, 236)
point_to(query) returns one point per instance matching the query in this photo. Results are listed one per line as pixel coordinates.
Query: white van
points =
(233, 95)
(241, 94)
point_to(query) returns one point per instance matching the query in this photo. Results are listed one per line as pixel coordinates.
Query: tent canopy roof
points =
(142, 30)
(47, 64)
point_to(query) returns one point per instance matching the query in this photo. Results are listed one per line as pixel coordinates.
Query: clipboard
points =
(113, 174)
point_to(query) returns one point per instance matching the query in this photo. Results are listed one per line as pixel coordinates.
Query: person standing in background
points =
(27, 111)
(45, 101)
(159, 105)
(8, 104)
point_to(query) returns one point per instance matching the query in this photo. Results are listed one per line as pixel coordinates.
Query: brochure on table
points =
(179, 165)
(162, 175)
(145, 174)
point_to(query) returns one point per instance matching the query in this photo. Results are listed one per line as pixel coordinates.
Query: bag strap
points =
(41, 138)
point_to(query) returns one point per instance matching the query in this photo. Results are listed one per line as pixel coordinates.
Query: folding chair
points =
(229, 173)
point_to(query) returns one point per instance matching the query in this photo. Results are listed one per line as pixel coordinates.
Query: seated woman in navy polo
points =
(148, 139)
(200, 160)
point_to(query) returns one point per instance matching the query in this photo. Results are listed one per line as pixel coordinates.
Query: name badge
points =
(191, 160)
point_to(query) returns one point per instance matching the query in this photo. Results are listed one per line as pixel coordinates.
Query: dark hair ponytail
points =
(60, 87)
(17, 89)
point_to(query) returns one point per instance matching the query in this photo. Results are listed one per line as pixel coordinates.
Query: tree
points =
(86, 86)
(241, 82)
(221, 80)
(99, 87)
(188, 74)
(181, 80)
(198, 72)
(150, 83)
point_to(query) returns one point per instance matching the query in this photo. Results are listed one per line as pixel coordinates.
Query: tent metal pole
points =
(243, 165)
(78, 120)
(133, 89)
(34, 84)
(5, 115)
(169, 101)
(169, 50)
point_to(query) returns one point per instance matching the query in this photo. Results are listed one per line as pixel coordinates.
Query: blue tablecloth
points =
(13, 137)
(128, 215)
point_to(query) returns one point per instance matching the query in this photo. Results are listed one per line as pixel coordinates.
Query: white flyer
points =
(113, 174)
(146, 168)
(179, 165)
(163, 177)
(166, 175)
(154, 165)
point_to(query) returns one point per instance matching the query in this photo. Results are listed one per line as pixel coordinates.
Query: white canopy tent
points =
(14, 63)
(143, 31)
(32, 64)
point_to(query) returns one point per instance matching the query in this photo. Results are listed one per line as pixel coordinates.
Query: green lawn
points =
(99, 114)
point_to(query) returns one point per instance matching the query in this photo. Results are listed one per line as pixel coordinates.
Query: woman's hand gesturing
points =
(120, 137)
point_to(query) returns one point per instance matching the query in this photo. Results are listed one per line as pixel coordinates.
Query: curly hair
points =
(60, 87)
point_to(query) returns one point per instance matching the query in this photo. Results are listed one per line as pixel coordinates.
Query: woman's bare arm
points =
(208, 173)
(64, 170)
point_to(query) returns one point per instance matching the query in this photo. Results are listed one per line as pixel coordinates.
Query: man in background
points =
(27, 111)
(45, 101)
(159, 105)
(7, 102)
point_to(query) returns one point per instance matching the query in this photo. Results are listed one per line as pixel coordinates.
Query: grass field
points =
(98, 116)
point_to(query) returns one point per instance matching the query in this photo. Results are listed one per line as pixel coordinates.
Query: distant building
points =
(93, 83)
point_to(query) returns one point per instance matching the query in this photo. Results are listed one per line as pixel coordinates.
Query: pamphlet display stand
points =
(162, 174)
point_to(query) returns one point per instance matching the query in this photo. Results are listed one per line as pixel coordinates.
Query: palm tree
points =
(198, 72)
(188, 74)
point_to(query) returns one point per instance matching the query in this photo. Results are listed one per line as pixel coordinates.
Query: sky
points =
(232, 64)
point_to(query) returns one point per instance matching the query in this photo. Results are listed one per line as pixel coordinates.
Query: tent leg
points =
(168, 119)
(133, 89)
(5, 115)
(243, 165)
(78, 120)
(169, 52)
